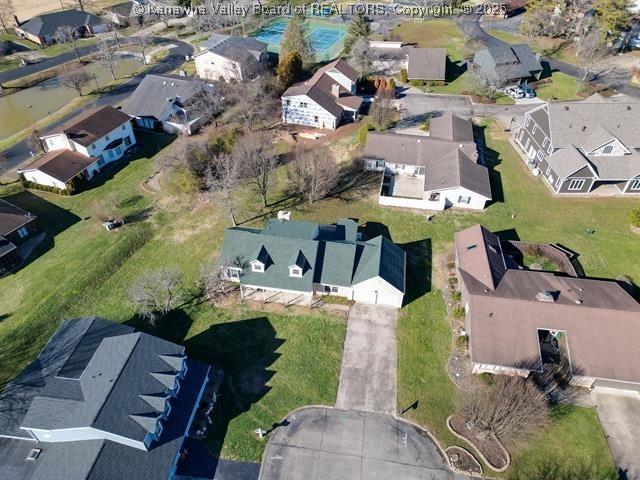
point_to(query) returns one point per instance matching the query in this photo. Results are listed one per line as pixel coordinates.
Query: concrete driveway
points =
(328, 444)
(369, 361)
(619, 414)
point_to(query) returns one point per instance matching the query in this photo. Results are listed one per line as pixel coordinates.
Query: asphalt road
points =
(472, 27)
(20, 152)
(318, 443)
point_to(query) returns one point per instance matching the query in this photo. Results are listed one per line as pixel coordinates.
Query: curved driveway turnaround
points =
(322, 443)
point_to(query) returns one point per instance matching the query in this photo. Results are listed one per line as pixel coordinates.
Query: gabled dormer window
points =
(257, 267)
(298, 265)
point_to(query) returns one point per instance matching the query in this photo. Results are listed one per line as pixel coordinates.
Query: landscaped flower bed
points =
(462, 460)
(487, 446)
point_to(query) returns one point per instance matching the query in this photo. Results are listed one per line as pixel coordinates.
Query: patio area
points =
(406, 186)
(270, 296)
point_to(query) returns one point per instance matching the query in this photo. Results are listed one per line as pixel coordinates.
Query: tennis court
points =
(325, 39)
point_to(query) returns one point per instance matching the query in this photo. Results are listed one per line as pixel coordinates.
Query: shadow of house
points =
(418, 270)
(453, 70)
(373, 229)
(491, 159)
(244, 350)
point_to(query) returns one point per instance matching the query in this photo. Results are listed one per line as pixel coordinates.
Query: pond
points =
(24, 108)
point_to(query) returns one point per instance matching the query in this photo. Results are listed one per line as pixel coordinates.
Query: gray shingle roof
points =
(505, 63)
(333, 254)
(156, 92)
(427, 63)
(48, 24)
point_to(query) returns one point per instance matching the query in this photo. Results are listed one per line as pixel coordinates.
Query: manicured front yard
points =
(436, 33)
(561, 87)
(276, 361)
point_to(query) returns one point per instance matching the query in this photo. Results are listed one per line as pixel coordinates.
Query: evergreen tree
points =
(612, 16)
(289, 68)
(296, 40)
(359, 27)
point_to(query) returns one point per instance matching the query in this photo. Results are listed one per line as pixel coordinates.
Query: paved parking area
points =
(369, 361)
(330, 444)
(619, 414)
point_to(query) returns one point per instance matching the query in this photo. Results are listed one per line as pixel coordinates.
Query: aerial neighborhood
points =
(280, 242)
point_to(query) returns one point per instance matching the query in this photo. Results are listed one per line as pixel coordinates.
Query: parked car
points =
(528, 91)
(514, 91)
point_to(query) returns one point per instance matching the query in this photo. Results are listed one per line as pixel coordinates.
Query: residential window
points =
(123, 127)
(535, 128)
(23, 232)
(527, 122)
(635, 185)
(315, 118)
(127, 140)
(184, 369)
(232, 272)
(303, 104)
(463, 199)
(521, 134)
(548, 169)
(295, 272)
(167, 408)
(111, 153)
(544, 142)
(106, 137)
(607, 150)
(257, 267)
(287, 102)
(93, 147)
(176, 389)
(159, 429)
(576, 184)
(327, 289)
(334, 289)
(100, 161)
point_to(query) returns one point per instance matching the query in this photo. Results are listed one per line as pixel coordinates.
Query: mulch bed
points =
(462, 460)
(489, 447)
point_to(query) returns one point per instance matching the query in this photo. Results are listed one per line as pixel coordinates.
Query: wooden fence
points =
(565, 259)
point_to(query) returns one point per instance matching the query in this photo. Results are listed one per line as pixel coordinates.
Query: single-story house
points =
(300, 260)
(521, 321)
(325, 100)
(42, 29)
(228, 57)
(160, 101)
(103, 401)
(16, 228)
(427, 64)
(506, 64)
(580, 146)
(433, 172)
(81, 147)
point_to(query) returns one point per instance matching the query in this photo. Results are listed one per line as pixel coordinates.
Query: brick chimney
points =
(335, 90)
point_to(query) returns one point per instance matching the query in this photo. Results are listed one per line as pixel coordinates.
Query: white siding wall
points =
(453, 195)
(84, 433)
(346, 292)
(42, 178)
(212, 66)
(113, 135)
(387, 295)
(300, 115)
(57, 142)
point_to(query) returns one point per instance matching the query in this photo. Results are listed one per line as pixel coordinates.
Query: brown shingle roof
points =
(427, 63)
(601, 320)
(12, 217)
(62, 165)
(93, 124)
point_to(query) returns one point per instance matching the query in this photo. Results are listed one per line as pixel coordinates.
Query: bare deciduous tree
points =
(106, 56)
(113, 27)
(209, 102)
(35, 144)
(361, 57)
(591, 49)
(6, 14)
(213, 281)
(68, 35)
(382, 109)
(257, 158)
(157, 292)
(312, 174)
(511, 408)
(75, 78)
(253, 100)
(224, 176)
(143, 40)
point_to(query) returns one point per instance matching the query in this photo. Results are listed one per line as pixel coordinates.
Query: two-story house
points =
(433, 172)
(327, 99)
(102, 401)
(161, 101)
(81, 147)
(580, 146)
(227, 57)
(504, 64)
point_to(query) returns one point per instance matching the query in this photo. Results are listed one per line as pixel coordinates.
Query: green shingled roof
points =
(332, 253)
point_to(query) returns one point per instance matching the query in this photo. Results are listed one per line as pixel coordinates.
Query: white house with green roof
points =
(302, 259)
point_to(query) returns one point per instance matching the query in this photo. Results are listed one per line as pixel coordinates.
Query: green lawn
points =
(562, 87)
(89, 271)
(436, 33)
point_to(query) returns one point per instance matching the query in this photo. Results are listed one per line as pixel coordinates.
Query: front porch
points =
(276, 296)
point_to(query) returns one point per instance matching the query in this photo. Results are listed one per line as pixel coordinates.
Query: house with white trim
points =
(297, 261)
(520, 321)
(81, 147)
(578, 147)
(324, 101)
(432, 172)
(228, 57)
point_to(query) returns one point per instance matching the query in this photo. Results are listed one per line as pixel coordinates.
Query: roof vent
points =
(33, 454)
(628, 107)
(577, 301)
(566, 107)
(546, 296)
